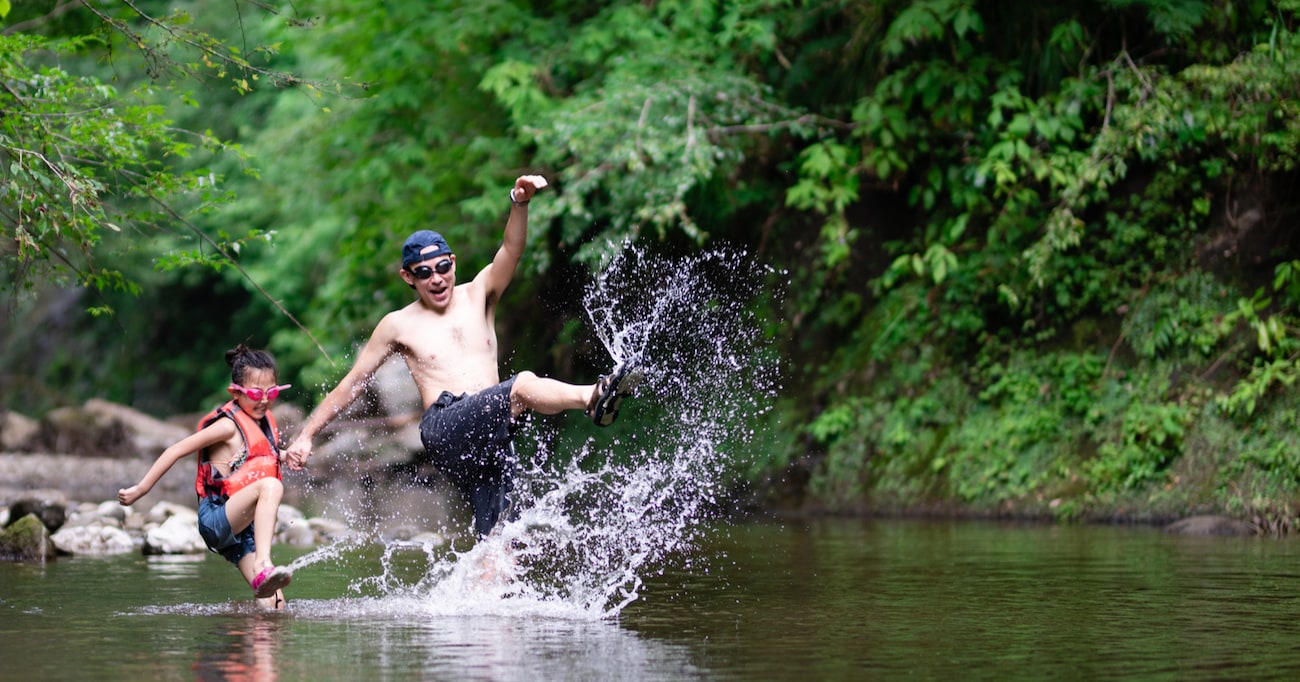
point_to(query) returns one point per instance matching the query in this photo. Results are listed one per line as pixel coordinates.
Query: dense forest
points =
(1034, 258)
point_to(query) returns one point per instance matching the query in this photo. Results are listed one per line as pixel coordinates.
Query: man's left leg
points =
(547, 396)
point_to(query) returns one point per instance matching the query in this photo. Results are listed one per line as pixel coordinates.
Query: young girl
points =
(238, 481)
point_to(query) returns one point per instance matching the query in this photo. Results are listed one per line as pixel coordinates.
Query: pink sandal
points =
(270, 580)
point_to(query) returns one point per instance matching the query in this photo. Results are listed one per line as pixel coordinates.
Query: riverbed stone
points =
(26, 539)
(297, 533)
(50, 506)
(110, 509)
(329, 529)
(94, 539)
(287, 514)
(17, 432)
(87, 478)
(164, 511)
(1211, 525)
(103, 429)
(82, 519)
(176, 535)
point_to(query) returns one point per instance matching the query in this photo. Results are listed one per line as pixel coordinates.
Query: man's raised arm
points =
(498, 274)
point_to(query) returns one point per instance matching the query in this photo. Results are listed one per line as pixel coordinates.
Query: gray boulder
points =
(93, 539)
(50, 506)
(164, 510)
(177, 535)
(103, 429)
(17, 432)
(1211, 525)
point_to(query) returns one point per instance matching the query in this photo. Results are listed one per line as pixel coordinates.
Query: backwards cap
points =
(413, 249)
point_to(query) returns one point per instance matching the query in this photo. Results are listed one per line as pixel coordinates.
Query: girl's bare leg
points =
(257, 504)
(249, 568)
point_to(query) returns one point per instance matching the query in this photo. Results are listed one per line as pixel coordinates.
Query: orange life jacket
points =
(259, 458)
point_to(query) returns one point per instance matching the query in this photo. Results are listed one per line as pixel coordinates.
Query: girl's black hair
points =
(241, 358)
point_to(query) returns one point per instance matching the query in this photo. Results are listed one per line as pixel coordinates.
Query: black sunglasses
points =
(425, 272)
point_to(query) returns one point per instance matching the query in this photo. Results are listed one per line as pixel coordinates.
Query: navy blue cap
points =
(413, 249)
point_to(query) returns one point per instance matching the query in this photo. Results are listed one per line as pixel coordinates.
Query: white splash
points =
(593, 523)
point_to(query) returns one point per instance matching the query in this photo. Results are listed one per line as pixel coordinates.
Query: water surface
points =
(830, 599)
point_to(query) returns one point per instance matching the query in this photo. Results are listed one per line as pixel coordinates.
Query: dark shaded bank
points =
(790, 496)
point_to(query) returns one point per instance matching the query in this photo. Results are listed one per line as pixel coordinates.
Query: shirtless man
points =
(447, 337)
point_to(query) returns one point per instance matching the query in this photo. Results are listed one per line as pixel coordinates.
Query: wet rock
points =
(83, 518)
(72, 430)
(95, 539)
(103, 429)
(291, 527)
(1210, 525)
(108, 528)
(163, 511)
(298, 533)
(17, 432)
(110, 509)
(329, 530)
(429, 538)
(87, 478)
(135, 523)
(401, 533)
(177, 535)
(50, 506)
(145, 434)
(26, 539)
(287, 515)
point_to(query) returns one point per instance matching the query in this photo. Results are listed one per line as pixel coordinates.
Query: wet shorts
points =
(214, 526)
(469, 438)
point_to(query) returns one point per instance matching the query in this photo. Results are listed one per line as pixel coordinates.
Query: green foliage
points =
(996, 218)
(1265, 456)
(67, 180)
(647, 106)
(1149, 439)
(1042, 208)
(1279, 458)
(828, 185)
(888, 444)
(1187, 316)
(1263, 379)
(1272, 322)
(1020, 452)
(1025, 432)
(1173, 19)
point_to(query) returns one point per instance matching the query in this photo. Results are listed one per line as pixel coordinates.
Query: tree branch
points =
(30, 24)
(233, 263)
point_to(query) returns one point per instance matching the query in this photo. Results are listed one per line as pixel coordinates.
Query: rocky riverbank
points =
(59, 477)
(45, 525)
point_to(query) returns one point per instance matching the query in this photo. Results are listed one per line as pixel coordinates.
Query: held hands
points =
(525, 187)
(298, 453)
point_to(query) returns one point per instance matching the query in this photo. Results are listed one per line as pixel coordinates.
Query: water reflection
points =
(410, 636)
(241, 651)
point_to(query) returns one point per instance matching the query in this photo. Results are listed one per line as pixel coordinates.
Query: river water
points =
(825, 599)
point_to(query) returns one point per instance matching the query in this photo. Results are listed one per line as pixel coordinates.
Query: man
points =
(448, 338)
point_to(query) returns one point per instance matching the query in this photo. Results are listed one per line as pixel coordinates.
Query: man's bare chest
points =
(446, 338)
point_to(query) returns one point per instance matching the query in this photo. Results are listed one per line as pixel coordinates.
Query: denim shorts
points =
(214, 526)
